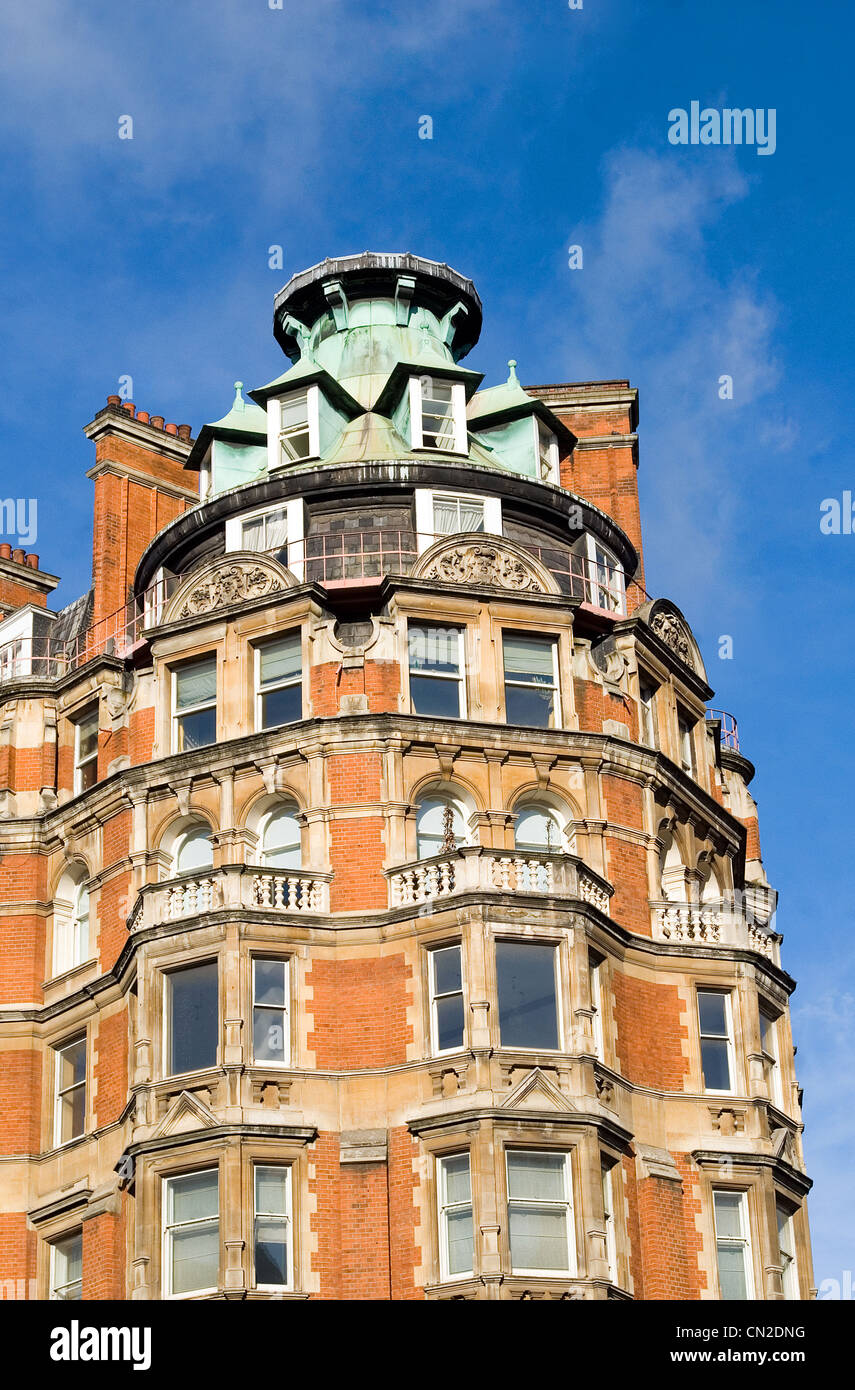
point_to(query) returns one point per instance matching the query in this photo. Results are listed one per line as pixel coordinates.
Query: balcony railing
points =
(727, 923)
(239, 886)
(333, 559)
(474, 868)
(729, 733)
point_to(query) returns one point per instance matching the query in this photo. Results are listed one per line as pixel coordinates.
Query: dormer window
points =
(295, 436)
(438, 415)
(605, 585)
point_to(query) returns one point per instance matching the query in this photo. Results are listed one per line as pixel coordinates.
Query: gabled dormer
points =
(231, 451)
(518, 429)
(306, 410)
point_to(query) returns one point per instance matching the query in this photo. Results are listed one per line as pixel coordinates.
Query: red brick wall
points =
(324, 1220)
(406, 1251)
(104, 1256)
(650, 1028)
(111, 1068)
(17, 1256)
(20, 1108)
(364, 1208)
(359, 1010)
(669, 1271)
(379, 680)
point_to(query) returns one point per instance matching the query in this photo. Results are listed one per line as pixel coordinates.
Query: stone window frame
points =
(287, 955)
(502, 617)
(465, 626)
(445, 1276)
(172, 665)
(568, 1204)
(296, 538)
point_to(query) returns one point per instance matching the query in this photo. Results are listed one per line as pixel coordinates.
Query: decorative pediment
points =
(665, 619)
(537, 1092)
(479, 561)
(226, 581)
(185, 1115)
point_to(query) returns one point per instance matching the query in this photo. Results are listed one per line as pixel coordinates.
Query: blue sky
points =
(299, 127)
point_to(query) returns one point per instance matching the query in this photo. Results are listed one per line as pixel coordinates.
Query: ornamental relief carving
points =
(671, 631)
(228, 584)
(483, 563)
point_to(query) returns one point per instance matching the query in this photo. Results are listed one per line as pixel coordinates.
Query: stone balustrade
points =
(723, 923)
(475, 868)
(239, 886)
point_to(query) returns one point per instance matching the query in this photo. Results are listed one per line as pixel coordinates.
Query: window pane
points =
(194, 1017)
(195, 851)
(194, 1197)
(458, 1186)
(527, 1006)
(271, 1251)
(434, 649)
(295, 411)
(68, 1268)
(731, 1272)
(275, 529)
(197, 730)
(537, 830)
(449, 1022)
(72, 1064)
(271, 1191)
(712, 1011)
(430, 827)
(728, 1215)
(281, 844)
(538, 1237)
(284, 706)
(269, 1035)
(529, 707)
(269, 977)
(252, 534)
(87, 738)
(196, 683)
(528, 658)
(435, 698)
(446, 969)
(536, 1175)
(716, 1064)
(446, 517)
(195, 1258)
(87, 775)
(281, 660)
(460, 1242)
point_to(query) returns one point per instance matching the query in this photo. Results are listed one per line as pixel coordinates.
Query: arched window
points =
(71, 930)
(673, 871)
(433, 824)
(538, 831)
(280, 839)
(193, 850)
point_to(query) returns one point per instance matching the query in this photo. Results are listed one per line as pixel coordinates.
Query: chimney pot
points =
(114, 400)
(184, 431)
(33, 560)
(143, 416)
(157, 421)
(171, 429)
(129, 407)
(5, 550)
(18, 556)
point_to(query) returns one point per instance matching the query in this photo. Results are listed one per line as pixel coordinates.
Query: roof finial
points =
(513, 379)
(239, 401)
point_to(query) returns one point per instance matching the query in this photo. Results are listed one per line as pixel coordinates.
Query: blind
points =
(197, 684)
(282, 660)
(195, 1197)
(538, 1177)
(271, 1191)
(528, 658)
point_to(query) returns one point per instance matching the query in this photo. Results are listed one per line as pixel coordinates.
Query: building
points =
(383, 909)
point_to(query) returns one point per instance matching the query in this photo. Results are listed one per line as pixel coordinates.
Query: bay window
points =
(447, 1014)
(69, 1090)
(787, 1250)
(270, 1031)
(527, 994)
(456, 1242)
(733, 1244)
(272, 1227)
(540, 1212)
(191, 1233)
(716, 1040)
(192, 1018)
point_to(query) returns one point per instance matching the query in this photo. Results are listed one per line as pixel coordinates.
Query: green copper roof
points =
(244, 417)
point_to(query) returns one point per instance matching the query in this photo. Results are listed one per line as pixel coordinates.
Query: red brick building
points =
(383, 914)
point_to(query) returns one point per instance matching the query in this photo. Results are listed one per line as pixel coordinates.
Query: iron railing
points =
(729, 734)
